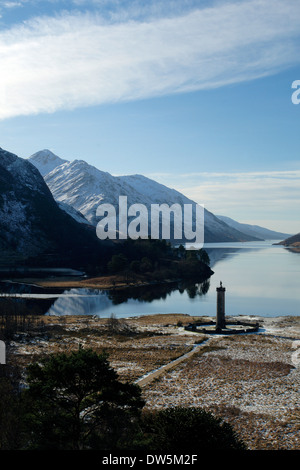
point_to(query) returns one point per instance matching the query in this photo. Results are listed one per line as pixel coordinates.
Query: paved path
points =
(157, 372)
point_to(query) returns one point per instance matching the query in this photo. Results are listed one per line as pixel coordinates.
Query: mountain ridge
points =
(45, 161)
(32, 226)
(254, 230)
(84, 187)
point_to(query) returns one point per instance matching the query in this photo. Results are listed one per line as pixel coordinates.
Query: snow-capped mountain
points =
(84, 187)
(31, 223)
(45, 161)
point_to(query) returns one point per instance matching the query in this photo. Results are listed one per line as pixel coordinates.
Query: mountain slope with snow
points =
(73, 213)
(45, 161)
(84, 187)
(31, 223)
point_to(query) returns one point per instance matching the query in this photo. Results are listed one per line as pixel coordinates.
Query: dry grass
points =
(133, 352)
(249, 380)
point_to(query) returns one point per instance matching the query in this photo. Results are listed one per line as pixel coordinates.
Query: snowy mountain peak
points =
(84, 187)
(77, 184)
(46, 161)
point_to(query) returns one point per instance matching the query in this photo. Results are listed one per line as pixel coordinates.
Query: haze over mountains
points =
(82, 187)
(253, 230)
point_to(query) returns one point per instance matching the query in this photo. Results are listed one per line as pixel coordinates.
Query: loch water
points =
(261, 279)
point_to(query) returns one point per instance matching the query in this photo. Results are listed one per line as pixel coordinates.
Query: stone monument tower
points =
(220, 323)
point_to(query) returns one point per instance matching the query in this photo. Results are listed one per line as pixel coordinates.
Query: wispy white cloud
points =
(10, 4)
(74, 60)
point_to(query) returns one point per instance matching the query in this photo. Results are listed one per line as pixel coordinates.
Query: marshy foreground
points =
(252, 380)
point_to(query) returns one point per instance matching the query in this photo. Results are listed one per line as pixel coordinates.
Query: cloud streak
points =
(76, 60)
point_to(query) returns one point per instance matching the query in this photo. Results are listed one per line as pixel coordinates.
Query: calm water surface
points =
(260, 279)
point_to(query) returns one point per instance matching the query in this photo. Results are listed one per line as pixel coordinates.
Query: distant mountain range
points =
(82, 187)
(254, 230)
(32, 225)
(48, 210)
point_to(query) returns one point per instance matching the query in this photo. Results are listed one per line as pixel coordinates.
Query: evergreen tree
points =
(75, 401)
(183, 429)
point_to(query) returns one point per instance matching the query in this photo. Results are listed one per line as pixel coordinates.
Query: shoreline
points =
(101, 282)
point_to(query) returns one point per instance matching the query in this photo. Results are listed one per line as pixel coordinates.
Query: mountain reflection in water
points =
(96, 302)
(260, 279)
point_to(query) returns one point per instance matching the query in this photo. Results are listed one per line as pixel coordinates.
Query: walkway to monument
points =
(157, 372)
(211, 328)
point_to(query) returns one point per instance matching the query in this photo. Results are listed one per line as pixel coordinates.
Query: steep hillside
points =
(32, 226)
(292, 242)
(84, 188)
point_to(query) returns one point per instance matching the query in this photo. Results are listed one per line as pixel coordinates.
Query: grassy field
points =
(250, 380)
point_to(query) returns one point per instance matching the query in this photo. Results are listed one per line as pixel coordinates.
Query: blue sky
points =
(195, 94)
